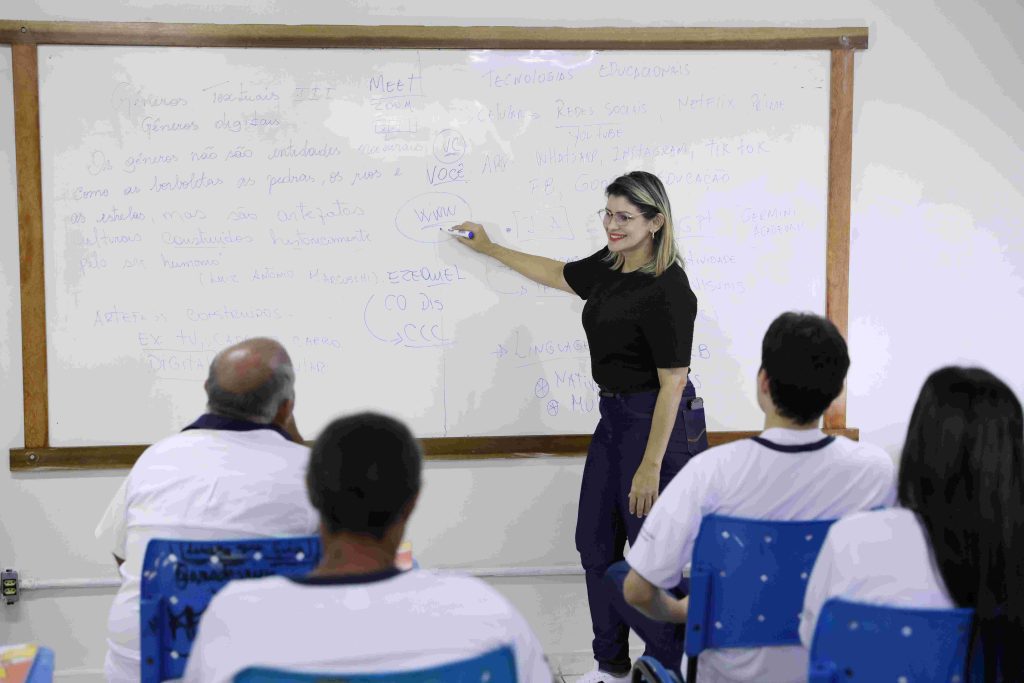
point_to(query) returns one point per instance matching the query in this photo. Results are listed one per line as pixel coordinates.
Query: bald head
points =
(251, 380)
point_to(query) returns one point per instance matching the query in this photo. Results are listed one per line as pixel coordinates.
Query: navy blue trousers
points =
(603, 524)
(663, 641)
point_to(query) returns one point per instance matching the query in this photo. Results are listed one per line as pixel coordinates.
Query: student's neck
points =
(347, 555)
(774, 420)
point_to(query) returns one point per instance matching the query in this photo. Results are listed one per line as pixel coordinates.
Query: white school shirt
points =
(746, 479)
(385, 622)
(200, 484)
(883, 558)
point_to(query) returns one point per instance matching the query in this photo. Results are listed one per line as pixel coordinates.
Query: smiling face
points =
(633, 238)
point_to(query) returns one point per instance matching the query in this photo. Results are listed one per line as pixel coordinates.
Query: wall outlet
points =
(9, 585)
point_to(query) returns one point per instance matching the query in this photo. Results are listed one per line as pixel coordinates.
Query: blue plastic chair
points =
(747, 583)
(179, 578)
(496, 666)
(858, 642)
(42, 667)
(650, 670)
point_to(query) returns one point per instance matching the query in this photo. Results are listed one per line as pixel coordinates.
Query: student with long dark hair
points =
(957, 537)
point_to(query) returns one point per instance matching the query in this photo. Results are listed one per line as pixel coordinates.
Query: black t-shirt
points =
(635, 322)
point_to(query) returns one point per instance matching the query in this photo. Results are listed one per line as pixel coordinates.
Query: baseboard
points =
(80, 675)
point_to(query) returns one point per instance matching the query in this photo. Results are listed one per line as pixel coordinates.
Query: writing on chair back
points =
(179, 578)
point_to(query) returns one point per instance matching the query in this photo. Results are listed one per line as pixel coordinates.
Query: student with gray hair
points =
(236, 472)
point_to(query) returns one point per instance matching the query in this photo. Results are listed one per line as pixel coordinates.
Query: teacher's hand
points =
(480, 241)
(644, 490)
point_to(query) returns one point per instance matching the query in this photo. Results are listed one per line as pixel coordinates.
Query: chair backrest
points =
(495, 666)
(858, 642)
(179, 578)
(748, 579)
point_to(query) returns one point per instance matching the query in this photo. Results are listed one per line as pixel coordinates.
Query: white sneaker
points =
(598, 676)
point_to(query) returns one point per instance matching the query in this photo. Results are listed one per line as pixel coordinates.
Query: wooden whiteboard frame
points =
(25, 37)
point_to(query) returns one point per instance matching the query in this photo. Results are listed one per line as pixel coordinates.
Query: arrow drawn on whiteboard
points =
(366, 323)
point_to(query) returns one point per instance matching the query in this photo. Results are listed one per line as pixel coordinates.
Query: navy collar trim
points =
(794, 448)
(232, 424)
(347, 579)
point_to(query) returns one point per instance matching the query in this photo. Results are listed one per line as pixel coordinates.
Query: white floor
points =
(570, 667)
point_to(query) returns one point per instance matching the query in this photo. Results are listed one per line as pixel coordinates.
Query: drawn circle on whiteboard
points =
(541, 388)
(552, 407)
(422, 217)
(449, 146)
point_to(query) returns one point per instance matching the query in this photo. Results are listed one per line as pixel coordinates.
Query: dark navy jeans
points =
(603, 524)
(662, 641)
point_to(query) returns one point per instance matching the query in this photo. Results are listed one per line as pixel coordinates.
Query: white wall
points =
(936, 277)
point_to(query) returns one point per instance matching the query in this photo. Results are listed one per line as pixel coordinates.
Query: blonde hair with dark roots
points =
(646, 192)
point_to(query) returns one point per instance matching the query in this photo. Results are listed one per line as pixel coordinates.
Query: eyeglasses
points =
(621, 217)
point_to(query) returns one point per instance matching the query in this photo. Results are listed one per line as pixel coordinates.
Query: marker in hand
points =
(468, 234)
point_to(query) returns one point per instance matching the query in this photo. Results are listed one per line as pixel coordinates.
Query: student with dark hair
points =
(356, 612)
(792, 471)
(639, 319)
(957, 537)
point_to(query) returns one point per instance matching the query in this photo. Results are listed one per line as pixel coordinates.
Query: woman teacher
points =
(639, 320)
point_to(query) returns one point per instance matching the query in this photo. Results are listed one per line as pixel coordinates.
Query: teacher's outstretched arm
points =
(546, 271)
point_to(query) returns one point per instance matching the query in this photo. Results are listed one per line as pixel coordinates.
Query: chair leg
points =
(691, 670)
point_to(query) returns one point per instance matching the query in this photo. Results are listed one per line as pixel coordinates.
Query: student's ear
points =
(398, 527)
(764, 397)
(284, 411)
(285, 419)
(411, 505)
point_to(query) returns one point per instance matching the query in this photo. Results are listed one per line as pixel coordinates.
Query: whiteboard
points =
(194, 197)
